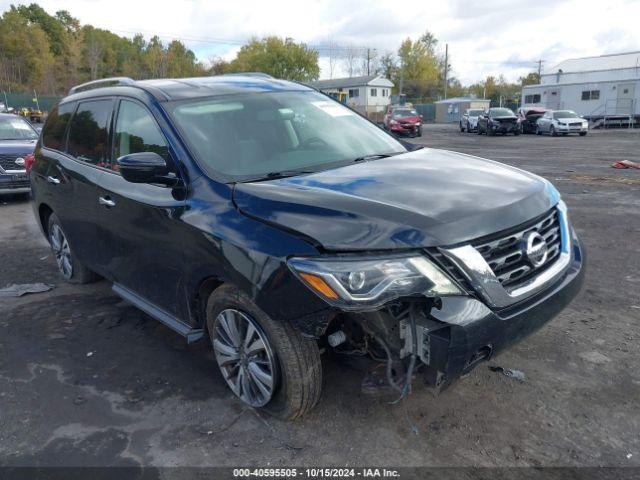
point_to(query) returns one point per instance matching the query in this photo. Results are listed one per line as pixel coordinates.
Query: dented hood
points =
(417, 199)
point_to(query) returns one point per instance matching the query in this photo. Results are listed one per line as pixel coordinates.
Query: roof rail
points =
(103, 82)
(248, 74)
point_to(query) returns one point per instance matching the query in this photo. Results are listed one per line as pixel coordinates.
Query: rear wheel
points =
(71, 269)
(266, 363)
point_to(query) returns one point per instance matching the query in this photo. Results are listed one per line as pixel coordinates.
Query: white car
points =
(555, 122)
(469, 120)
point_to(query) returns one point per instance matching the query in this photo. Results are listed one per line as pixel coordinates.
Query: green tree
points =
(26, 61)
(531, 79)
(282, 58)
(418, 68)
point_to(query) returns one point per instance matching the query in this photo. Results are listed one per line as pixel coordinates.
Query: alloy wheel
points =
(245, 357)
(62, 251)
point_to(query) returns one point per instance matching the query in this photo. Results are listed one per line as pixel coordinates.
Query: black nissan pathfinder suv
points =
(280, 224)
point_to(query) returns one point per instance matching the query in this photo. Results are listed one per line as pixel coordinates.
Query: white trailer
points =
(604, 89)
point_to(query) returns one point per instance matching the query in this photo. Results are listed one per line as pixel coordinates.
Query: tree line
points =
(51, 53)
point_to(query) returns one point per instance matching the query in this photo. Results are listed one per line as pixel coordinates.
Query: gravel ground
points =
(87, 380)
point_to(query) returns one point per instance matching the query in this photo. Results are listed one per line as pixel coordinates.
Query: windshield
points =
(565, 114)
(16, 129)
(249, 136)
(502, 112)
(405, 112)
(474, 113)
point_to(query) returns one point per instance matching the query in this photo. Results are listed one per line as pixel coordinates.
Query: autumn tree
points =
(281, 58)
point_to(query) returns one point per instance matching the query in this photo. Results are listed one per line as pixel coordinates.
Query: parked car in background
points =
(528, 118)
(279, 224)
(555, 122)
(17, 142)
(498, 120)
(469, 120)
(403, 120)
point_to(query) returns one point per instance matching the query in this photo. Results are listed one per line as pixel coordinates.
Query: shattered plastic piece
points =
(625, 164)
(89, 354)
(507, 372)
(16, 290)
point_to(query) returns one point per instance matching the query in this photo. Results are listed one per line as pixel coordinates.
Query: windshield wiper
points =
(281, 174)
(375, 156)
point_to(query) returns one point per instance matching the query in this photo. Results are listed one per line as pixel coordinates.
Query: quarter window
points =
(88, 132)
(53, 134)
(137, 131)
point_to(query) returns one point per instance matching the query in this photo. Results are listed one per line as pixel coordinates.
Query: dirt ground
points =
(87, 380)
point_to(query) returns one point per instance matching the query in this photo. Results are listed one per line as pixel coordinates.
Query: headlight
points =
(356, 283)
(393, 122)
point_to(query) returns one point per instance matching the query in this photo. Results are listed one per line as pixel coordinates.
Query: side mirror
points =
(145, 167)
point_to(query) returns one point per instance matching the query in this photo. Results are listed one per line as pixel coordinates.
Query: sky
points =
(495, 37)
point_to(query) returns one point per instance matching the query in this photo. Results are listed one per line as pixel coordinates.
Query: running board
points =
(191, 334)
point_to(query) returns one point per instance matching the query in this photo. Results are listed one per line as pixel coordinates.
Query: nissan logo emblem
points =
(535, 248)
(19, 161)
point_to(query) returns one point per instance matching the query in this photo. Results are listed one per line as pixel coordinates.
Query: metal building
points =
(604, 89)
(451, 109)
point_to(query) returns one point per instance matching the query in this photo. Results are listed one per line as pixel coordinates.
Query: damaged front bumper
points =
(456, 333)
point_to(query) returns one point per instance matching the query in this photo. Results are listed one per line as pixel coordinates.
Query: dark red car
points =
(529, 117)
(403, 120)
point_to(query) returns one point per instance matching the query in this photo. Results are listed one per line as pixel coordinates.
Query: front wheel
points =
(266, 363)
(538, 131)
(552, 131)
(461, 127)
(582, 134)
(71, 269)
(419, 132)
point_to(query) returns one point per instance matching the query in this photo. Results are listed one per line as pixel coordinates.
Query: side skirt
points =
(191, 334)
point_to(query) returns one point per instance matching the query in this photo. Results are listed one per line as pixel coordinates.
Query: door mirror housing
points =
(145, 167)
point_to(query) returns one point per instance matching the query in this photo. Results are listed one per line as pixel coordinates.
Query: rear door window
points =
(137, 131)
(54, 131)
(89, 132)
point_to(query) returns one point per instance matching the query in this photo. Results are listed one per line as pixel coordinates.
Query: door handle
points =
(54, 180)
(106, 201)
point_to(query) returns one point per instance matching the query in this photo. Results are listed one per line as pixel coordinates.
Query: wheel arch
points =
(44, 213)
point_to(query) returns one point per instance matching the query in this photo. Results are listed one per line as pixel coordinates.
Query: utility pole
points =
(446, 68)
(539, 68)
(368, 58)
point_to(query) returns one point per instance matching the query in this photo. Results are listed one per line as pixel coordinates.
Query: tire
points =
(69, 267)
(538, 131)
(489, 132)
(469, 129)
(582, 134)
(461, 128)
(478, 130)
(516, 132)
(293, 360)
(552, 131)
(419, 133)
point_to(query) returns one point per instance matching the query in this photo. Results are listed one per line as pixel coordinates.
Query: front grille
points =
(444, 263)
(505, 253)
(576, 124)
(8, 160)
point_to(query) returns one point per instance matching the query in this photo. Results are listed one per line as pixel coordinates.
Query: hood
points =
(571, 120)
(17, 146)
(414, 118)
(505, 118)
(417, 199)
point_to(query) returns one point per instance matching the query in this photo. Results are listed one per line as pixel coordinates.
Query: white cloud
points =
(498, 37)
